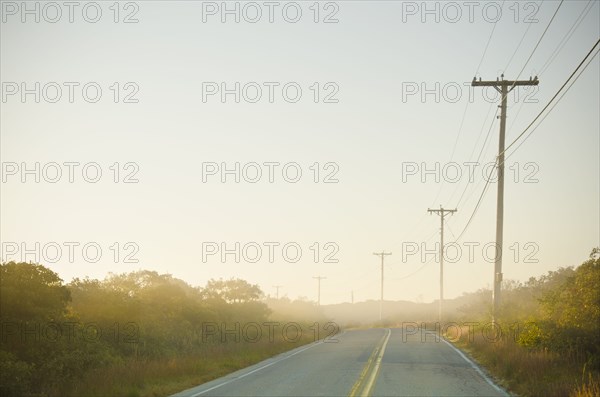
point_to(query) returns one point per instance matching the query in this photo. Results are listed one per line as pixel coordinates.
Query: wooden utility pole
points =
(382, 254)
(503, 87)
(442, 213)
(277, 290)
(319, 278)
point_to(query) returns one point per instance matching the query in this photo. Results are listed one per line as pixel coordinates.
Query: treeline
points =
(61, 339)
(547, 341)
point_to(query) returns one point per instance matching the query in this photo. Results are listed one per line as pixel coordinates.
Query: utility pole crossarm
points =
(499, 83)
(441, 211)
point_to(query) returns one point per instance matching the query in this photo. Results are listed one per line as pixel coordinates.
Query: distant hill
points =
(394, 312)
(397, 312)
(365, 313)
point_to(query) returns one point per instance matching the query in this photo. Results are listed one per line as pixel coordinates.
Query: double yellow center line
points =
(366, 380)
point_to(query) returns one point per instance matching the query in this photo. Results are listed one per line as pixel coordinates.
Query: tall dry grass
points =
(528, 372)
(165, 376)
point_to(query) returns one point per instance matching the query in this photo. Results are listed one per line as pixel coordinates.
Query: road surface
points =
(372, 362)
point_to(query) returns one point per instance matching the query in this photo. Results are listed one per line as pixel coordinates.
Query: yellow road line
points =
(375, 371)
(363, 374)
(372, 368)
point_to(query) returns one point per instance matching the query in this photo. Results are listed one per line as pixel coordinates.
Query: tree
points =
(573, 310)
(31, 292)
(33, 308)
(232, 290)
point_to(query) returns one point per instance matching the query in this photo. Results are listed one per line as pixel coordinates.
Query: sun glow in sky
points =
(340, 117)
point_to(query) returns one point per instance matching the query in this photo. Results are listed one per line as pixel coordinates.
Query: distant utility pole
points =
(352, 296)
(319, 278)
(277, 290)
(382, 254)
(503, 87)
(442, 213)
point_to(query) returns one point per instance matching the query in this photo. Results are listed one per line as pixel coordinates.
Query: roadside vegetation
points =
(547, 342)
(136, 334)
(150, 334)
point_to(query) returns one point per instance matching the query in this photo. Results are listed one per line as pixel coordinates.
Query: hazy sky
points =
(373, 129)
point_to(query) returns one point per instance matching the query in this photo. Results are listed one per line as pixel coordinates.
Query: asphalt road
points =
(373, 362)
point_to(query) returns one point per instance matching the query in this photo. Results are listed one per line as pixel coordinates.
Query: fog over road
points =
(375, 362)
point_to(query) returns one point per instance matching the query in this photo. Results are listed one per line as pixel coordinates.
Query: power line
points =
(476, 207)
(416, 271)
(568, 35)
(489, 40)
(430, 236)
(454, 147)
(468, 102)
(503, 99)
(553, 98)
(498, 273)
(483, 148)
(553, 106)
(478, 156)
(520, 135)
(520, 42)
(540, 39)
(590, 4)
(557, 50)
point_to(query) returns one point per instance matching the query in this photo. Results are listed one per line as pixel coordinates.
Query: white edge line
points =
(257, 369)
(476, 367)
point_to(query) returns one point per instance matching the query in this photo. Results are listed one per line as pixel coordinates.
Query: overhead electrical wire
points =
(521, 41)
(539, 40)
(553, 98)
(468, 102)
(528, 58)
(586, 10)
(560, 90)
(483, 146)
(489, 41)
(568, 35)
(522, 69)
(544, 67)
(553, 106)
